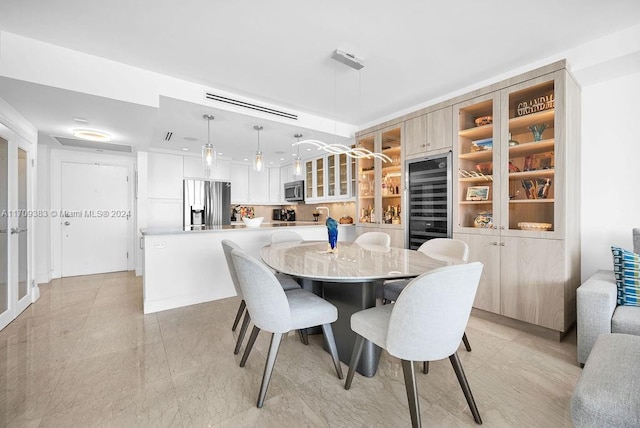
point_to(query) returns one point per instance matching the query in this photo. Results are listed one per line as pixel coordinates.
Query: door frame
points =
(20, 134)
(87, 157)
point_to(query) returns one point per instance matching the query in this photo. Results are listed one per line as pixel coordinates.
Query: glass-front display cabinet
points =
(380, 183)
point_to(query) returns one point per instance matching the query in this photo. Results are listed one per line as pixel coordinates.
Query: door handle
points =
(3, 231)
(15, 230)
(66, 223)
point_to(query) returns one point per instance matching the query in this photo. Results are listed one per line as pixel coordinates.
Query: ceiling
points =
(279, 52)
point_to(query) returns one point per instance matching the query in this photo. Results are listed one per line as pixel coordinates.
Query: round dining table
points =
(348, 277)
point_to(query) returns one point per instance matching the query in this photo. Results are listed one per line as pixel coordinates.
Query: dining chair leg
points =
(409, 372)
(238, 315)
(243, 331)
(331, 342)
(304, 337)
(276, 338)
(425, 367)
(462, 379)
(466, 342)
(247, 350)
(355, 359)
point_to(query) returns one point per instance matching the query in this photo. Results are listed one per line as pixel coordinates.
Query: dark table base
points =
(349, 298)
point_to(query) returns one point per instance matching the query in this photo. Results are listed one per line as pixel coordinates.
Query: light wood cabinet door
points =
(439, 129)
(533, 280)
(415, 136)
(486, 250)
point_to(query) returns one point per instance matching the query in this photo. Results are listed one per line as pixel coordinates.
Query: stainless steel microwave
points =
(294, 191)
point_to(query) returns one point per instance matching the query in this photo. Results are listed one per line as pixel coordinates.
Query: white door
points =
(94, 218)
(15, 221)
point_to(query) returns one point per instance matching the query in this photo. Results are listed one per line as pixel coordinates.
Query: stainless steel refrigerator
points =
(206, 203)
(428, 202)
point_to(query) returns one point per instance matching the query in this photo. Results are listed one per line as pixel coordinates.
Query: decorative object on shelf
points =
(513, 168)
(535, 226)
(346, 219)
(537, 189)
(474, 174)
(258, 162)
(535, 105)
(478, 193)
(484, 144)
(485, 168)
(484, 120)
(352, 152)
(332, 230)
(537, 131)
(316, 215)
(528, 163)
(297, 163)
(209, 155)
(483, 219)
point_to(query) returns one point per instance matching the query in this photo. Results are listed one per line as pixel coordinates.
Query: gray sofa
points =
(598, 312)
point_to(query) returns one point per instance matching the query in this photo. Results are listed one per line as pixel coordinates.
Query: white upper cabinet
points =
(194, 168)
(328, 178)
(239, 183)
(165, 173)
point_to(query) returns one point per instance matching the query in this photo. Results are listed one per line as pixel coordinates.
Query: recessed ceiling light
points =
(80, 120)
(270, 163)
(91, 135)
(281, 159)
(308, 149)
(184, 149)
(245, 159)
(219, 154)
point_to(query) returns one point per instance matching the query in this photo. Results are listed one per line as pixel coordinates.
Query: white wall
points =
(610, 169)
(43, 225)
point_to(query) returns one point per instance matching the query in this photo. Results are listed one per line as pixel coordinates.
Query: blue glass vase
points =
(332, 229)
(537, 131)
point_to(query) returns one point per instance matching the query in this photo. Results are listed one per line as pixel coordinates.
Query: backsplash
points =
(304, 212)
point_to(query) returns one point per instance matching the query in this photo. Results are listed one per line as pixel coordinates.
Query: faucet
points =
(323, 208)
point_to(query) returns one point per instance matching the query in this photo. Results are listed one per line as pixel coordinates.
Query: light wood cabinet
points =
(428, 133)
(517, 192)
(415, 132)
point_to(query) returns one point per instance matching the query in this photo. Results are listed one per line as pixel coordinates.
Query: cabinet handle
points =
(502, 244)
(494, 243)
(423, 145)
(502, 227)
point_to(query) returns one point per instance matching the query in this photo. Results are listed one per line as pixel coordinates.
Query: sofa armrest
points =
(596, 301)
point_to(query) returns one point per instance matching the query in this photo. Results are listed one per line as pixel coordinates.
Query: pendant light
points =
(297, 163)
(209, 155)
(258, 163)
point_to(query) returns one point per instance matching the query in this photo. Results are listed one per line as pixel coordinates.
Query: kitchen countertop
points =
(236, 226)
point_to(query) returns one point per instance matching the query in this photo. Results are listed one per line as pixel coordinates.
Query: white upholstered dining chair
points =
(425, 324)
(449, 250)
(374, 238)
(277, 312)
(286, 282)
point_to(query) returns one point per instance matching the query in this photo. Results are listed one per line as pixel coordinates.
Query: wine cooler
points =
(428, 202)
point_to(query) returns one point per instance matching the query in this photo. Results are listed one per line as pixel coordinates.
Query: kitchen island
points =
(186, 267)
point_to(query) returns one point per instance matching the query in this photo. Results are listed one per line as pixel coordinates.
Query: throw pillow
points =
(626, 267)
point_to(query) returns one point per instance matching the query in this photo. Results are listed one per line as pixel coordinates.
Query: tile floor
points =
(85, 355)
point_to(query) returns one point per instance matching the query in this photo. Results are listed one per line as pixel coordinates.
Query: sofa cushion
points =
(608, 392)
(626, 319)
(626, 267)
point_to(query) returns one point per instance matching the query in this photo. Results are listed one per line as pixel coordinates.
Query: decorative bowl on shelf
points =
(535, 226)
(252, 222)
(485, 168)
(484, 120)
(484, 220)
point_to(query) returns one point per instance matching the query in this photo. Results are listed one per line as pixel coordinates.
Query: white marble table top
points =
(351, 263)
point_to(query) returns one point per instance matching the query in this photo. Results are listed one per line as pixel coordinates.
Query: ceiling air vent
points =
(244, 104)
(93, 145)
(168, 136)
